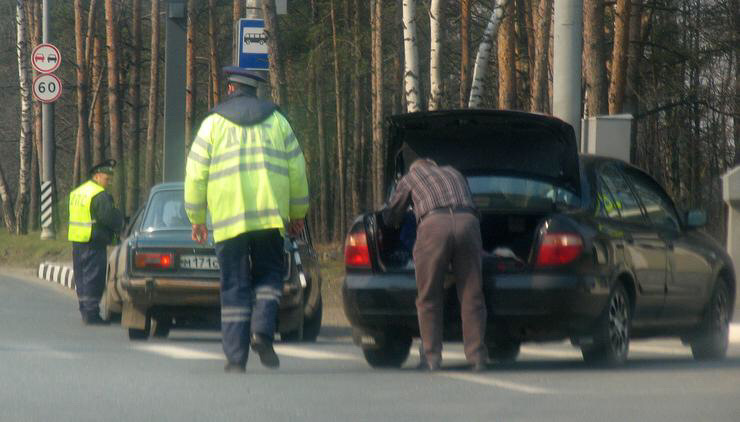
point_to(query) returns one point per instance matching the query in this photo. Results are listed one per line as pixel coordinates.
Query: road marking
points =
(304, 353)
(177, 352)
(486, 380)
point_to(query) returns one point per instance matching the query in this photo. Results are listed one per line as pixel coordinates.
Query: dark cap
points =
(105, 166)
(242, 76)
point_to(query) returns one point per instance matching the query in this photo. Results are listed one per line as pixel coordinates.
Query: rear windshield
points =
(166, 210)
(505, 192)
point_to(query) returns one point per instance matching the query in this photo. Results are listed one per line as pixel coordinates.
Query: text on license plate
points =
(199, 262)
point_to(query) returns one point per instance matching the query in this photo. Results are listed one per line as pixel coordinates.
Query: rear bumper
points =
(526, 306)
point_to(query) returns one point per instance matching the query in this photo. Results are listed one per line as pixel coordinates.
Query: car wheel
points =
(312, 324)
(392, 353)
(504, 351)
(713, 337)
(612, 336)
(137, 334)
(162, 326)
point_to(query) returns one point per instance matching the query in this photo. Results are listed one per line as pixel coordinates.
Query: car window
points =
(518, 192)
(659, 207)
(625, 201)
(607, 205)
(166, 210)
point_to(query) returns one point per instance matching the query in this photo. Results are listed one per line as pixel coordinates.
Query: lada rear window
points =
(166, 210)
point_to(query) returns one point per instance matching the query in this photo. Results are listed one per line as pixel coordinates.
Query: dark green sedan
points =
(158, 278)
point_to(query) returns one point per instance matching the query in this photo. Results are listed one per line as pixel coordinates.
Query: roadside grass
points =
(28, 251)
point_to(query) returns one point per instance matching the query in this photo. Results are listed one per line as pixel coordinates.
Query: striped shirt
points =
(428, 186)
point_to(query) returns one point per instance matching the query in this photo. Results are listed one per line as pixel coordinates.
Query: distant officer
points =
(93, 223)
(247, 168)
(448, 236)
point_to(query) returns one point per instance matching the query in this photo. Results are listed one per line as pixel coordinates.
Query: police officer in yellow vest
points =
(246, 167)
(93, 222)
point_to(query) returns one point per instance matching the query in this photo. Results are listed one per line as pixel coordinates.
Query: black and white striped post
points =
(47, 205)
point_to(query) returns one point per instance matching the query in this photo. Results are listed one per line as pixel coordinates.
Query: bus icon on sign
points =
(255, 37)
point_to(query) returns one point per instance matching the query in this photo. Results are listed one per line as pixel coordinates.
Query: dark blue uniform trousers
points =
(252, 269)
(89, 262)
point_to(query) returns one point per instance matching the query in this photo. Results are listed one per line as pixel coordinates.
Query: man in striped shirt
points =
(448, 236)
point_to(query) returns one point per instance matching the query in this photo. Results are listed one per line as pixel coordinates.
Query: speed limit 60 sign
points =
(47, 88)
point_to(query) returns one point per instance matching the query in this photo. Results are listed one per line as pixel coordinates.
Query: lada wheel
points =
(713, 337)
(612, 336)
(392, 353)
(312, 324)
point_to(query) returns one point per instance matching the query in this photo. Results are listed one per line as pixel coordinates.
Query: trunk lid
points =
(488, 142)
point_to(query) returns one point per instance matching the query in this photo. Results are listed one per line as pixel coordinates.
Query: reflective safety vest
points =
(249, 177)
(80, 219)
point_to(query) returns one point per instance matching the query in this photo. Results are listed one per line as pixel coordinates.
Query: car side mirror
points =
(696, 219)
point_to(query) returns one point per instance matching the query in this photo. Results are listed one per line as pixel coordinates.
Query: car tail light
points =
(161, 261)
(356, 252)
(559, 249)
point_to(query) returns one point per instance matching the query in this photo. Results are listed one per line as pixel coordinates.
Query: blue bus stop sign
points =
(252, 44)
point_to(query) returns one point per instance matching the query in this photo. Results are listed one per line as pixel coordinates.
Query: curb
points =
(57, 273)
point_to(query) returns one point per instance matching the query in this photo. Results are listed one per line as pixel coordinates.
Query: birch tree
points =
(411, 74)
(484, 51)
(25, 146)
(7, 203)
(435, 71)
(153, 110)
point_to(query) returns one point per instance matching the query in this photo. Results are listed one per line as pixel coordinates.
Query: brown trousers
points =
(445, 239)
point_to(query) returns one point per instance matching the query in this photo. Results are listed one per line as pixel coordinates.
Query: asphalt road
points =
(52, 368)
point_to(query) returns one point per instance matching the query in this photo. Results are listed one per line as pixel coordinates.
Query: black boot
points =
(263, 346)
(94, 319)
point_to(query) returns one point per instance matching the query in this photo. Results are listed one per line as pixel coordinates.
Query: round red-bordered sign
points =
(45, 58)
(47, 88)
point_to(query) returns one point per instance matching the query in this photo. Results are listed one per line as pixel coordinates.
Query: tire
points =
(391, 354)
(612, 336)
(712, 339)
(504, 351)
(162, 327)
(136, 334)
(312, 324)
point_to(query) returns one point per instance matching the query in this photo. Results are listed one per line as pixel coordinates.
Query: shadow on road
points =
(632, 365)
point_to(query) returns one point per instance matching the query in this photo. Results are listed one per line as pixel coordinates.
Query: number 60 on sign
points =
(47, 88)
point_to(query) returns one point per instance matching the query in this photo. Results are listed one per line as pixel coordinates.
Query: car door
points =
(689, 270)
(645, 251)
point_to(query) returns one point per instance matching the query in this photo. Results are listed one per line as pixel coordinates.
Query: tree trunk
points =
(98, 138)
(464, 51)
(484, 50)
(353, 167)
(190, 76)
(594, 57)
(507, 60)
(213, 55)
(275, 60)
(378, 158)
(316, 76)
(542, 21)
(634, 54)
(7, 203)
(411, 56)
(341, 194)
(435, 70)
(34, 14)
(33, 208)
(25, 140)
(153, 111)
(114, 103)
(619, 56)
(134, 123)
(736, 104)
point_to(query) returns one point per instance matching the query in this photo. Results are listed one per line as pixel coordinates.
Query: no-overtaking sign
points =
(47, 88)
(45, 58)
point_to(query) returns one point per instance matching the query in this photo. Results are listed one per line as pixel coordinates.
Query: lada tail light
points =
(559, 249)
(158, 261)
(356, 252)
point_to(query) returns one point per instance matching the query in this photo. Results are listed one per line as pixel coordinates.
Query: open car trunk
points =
(508, 241)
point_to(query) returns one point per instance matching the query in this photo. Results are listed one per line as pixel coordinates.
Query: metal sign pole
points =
(47, 171)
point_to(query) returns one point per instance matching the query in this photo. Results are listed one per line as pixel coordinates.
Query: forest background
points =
(341, 66)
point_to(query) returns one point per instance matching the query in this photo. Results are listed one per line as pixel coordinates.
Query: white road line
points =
(304, 353)
(486, 380)
(177, 352)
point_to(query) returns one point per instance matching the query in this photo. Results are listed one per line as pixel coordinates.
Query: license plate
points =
(199, 262)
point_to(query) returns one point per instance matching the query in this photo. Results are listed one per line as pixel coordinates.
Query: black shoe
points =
(263, 346)
(235, 368)
(479, 367)
(94, 319)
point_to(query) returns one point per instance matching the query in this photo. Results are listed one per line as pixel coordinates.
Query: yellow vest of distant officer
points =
(80, 218)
